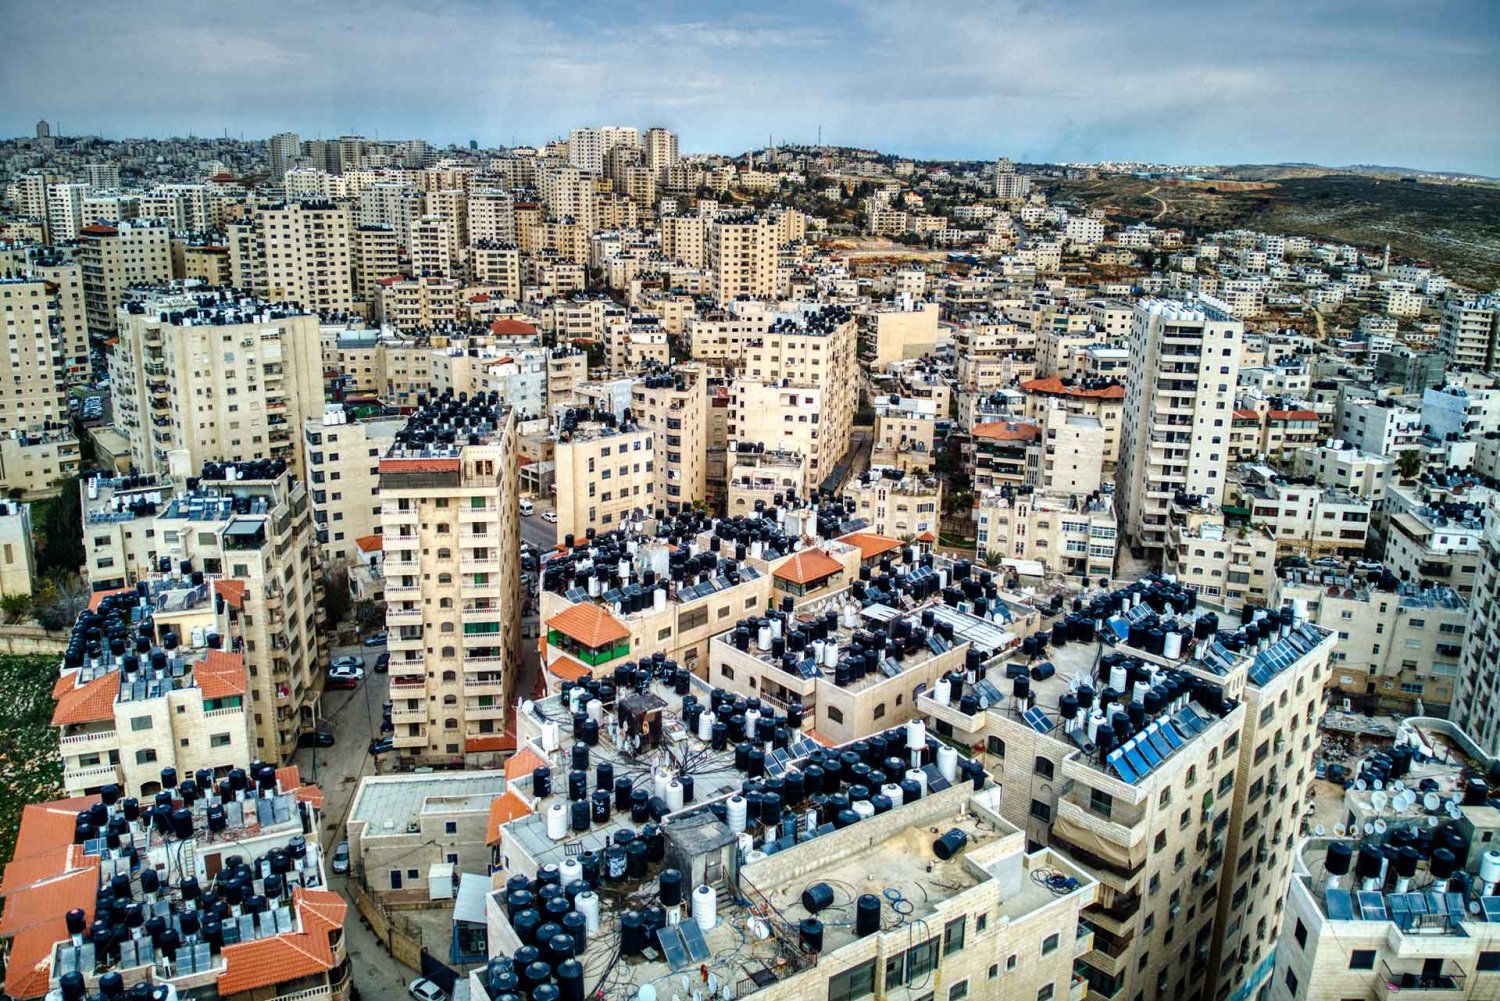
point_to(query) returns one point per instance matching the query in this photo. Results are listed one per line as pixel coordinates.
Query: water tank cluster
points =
(450, 419)
(253, 469)
(820, 321)
(1135, 694)
(1432, 858)
(163, 916)
(119, 635)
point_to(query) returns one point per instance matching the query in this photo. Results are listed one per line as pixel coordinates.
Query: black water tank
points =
(816, 897)
(867, 915)
(1337, 860)
(810, 935)
(669, 887)
(950, 844)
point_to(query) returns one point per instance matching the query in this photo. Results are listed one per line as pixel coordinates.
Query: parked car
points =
(341, 858)
(550, 517)
(337, 682)
(321, 737)
(425, 990)
(347, 671)
(382, 745)
(383, 663)
(527, 508)
(376, 640)
(351, 661)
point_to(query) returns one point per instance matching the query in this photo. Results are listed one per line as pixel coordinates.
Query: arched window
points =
(450, 700)
(449, 651)
(446, 627)
(445, 554)
(450, 675)
(445, 602)
(450, 723)
(445, 578)
(145, 756)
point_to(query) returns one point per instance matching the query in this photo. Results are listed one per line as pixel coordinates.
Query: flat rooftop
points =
(391, 803)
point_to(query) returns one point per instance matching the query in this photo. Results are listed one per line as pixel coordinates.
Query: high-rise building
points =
(65, 211)
(117, 257)
(1184, 801)
(1478, 687)
(587, 148)
(451, 537)
(43, 129)
(283, 149)
(742, 257)
(1179, 398)
(343, 476)
(673, 405)
(1469, 334)
(374, 255)
(196, 378)
(32, 372)
(605, 470)
(307, 258)
(661, 153)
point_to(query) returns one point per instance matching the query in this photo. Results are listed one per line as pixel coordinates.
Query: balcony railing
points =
(101, 738)
(1443, 980)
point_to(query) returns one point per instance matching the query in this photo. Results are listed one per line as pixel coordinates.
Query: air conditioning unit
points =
(1174, 910)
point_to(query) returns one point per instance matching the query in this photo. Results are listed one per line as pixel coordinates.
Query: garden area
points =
(30, 769)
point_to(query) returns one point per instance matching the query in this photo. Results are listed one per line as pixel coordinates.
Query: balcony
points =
(94, 775)
(1434, 980)
(100, 740)
(414, 740)
(395, 516)
(396, 616)
(469, 565)
(1085, 940)
(400, 714)
(400, 568)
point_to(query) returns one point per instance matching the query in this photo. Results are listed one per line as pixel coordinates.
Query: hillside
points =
(1456, 226)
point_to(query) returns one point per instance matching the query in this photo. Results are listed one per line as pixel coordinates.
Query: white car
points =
(550, 517)
(346, 672)
(425, 990)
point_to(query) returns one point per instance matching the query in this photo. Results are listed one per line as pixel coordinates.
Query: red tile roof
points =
(87, 703)
(369, 543)
(233, 591)
(1292, 415)
(504, 809)
(493, 742)
(870, 544)
(99, 596)
(808, 566)
(291, 956)
(1054, 386)
(521, 763)
(1247, 414)
(419, 465)
(99, 229)
(221, 674)
(509, 326)
(590, 625)
(567, 669)
(1006, 431)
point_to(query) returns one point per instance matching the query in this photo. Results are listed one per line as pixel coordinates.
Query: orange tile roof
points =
(589, 624)
(369, 543)
(871, 544)
(807, 566)
(419, 465)
(233, 591)
(1054, 386)
(1250, 414)
(1293, 415)
(44, 843)
(494, 742)
(221, 674)
(521, 763)
(504, 809)
(509, 326)
(291, 956)
(36, 920)
(99, 229)
(89, 702)
(1006, 431)
(567, 669)
(927, 537)
(99, 596)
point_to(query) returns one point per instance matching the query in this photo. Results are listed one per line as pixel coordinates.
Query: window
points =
(852, 984)
(218, 740)
(834, 715)
(1049, 944)
(140, 722)
(994, 970)
(953, 935)
(1101, 802)
(1362, 959)
(1044, 993)
(921, 960)
(145, 756)
(879, 711)
(1041, 811)
(958, 991)
(996, 747)
(1489, 962)
(1291, 982)
(1043, 767)
(1301, 934)
(450, 827)
(981, 923)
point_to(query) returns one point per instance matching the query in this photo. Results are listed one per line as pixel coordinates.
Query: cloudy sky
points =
(1415, 83)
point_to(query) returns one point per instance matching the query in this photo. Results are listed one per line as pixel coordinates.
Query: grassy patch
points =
(30, 769)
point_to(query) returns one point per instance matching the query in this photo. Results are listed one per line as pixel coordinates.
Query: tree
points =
(335, 594)
(369, 617)
(1409, 464)
(59, 532)
(59, 599)
(15, 606)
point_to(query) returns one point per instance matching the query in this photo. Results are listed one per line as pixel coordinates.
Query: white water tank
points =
(705, 906)
(830, 653)
(705, 726)
(892, 792)
(942, 692)
(557, 822)
(659, 777)
(918, 776)
(736, 808)
(1489, 871)
(916, 735)
(851, 616)
(595, 709)
(763, 640)
(659, 599)
(587, 904)
(571, 871)
(863, 808)
(947, 762)
(1172, 649)
(674, 795)
(1117, 678)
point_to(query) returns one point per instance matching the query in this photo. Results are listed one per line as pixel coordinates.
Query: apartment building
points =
(1301, 514)
(343, 477)
(119, 530)
(904, 431)
(17, 560)
(757, 477)
(895, 503)
(1341, 466)
(606, 471)
(1437, 542)
(1005, 452)
(895, 331)
(183, 864)
(247, 526)
(1478, 688)
(1225, 560)
(741, 255)
(37, 461)
(1377, 426)
(1173, 771)
(451, 535)
(496, 263)
(64, 276)
(33, 373)
(208, 374)
(373, 255)
(672, 403)
(1100, 399)
(1469, 334)
(993, 352)
(169, 703)
(283, 149)
(1174, 435)
(1399, 644)
(1072, 534)
(117, 257)
(587, 148)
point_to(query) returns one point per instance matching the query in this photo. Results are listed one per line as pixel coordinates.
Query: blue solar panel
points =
(1170, 733)
(1194, 722)
(1122, 767)
(1340, 906)
(1371, 905)
(1143, 747)
(692, 936)
(1491, 906)
(988, 694)
(1400, 911)
(1038, 720)
(1136, 761)
(1153, 733)
(1119, 627)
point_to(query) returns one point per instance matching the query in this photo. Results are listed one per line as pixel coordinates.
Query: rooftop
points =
(392, 804)
(440, 428)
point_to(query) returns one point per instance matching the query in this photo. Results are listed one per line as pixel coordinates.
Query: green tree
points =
(335, 594)
(59, 532)
(1409, 464)
(15, 606)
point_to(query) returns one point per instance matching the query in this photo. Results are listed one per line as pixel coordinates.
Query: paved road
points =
(535, 530)
(355, 717)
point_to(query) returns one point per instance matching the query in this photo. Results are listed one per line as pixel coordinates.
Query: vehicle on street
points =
(376, 640)
(347, 671)
(527, 508)
(341, 858)
(340, 681)
(382, 745)
(550, 517)
(321, 737)
(383, 663)
(425, 990)
(338, 662)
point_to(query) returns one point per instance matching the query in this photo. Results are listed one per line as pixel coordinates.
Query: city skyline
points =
(1065, 84)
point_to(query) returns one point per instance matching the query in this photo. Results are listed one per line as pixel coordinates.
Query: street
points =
(539, 533)
(354, 715)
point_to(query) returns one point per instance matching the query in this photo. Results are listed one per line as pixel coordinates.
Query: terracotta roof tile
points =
(45, 842)
(504, 809)
(521, 763)
(36, 920)
(233, 591)
(567, 669)
(807, 566)
(1006, 431)
(870, 544)
(509, 326)
(589, 624)
(492, 742)
(88, 703)
(1247, 414)
(1054, 386)
(291, 956)
(99, 596)
(369, 543)
(221, 674)
(1292, 415)
(419, 465)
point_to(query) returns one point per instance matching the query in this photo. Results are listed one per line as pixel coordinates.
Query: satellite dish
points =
(1369, 827)
(1359, 784)
(1431, 802)
(1378, 800)
(1379, 827)
(1318, 831)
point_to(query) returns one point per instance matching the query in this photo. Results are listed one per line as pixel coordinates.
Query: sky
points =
(1415, 83)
